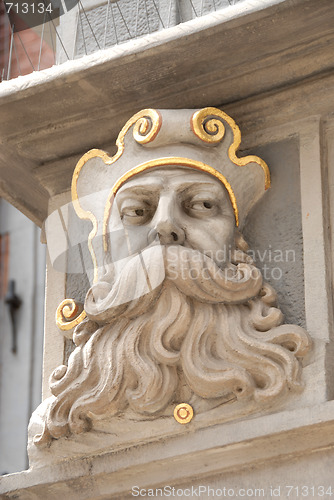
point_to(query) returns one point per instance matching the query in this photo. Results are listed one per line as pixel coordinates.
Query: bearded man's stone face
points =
(178, 311)
(173, 206)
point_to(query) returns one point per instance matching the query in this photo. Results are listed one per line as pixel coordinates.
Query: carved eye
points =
(202, 206)
(134, 214)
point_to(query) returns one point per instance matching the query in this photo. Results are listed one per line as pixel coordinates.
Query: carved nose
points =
(170, 233)
(166, 222)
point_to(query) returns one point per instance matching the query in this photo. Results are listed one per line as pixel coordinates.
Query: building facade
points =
(269, 65)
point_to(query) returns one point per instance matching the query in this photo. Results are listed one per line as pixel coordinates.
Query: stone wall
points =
(20, 373)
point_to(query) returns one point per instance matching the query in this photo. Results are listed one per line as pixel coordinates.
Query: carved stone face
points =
(168, 325)
(173, 206)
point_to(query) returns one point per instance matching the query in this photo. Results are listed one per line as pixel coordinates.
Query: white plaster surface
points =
(20, 373)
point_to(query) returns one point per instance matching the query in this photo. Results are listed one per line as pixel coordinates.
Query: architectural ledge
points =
(49, 119)
(217, 449)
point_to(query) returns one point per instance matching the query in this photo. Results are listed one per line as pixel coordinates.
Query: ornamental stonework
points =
(178, 325)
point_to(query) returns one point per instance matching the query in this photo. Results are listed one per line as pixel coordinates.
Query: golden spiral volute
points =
(208, 125)
(69, 309)
(147, 126)
(68, 315)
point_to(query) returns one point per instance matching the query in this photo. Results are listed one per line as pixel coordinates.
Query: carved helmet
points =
(206, 140)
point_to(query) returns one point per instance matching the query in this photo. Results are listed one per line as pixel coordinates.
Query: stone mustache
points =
(177, 312)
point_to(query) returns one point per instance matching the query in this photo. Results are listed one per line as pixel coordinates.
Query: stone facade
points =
(271, 71)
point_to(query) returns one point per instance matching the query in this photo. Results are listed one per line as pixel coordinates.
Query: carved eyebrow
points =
(145, 190)
(154, 185)
(198, 186)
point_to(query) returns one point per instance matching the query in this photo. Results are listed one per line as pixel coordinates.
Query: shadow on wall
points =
(274, 229)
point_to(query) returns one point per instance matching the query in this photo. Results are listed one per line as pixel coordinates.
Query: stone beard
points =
(203, 335)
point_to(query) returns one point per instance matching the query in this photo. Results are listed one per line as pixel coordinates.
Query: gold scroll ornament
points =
(68, 315)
